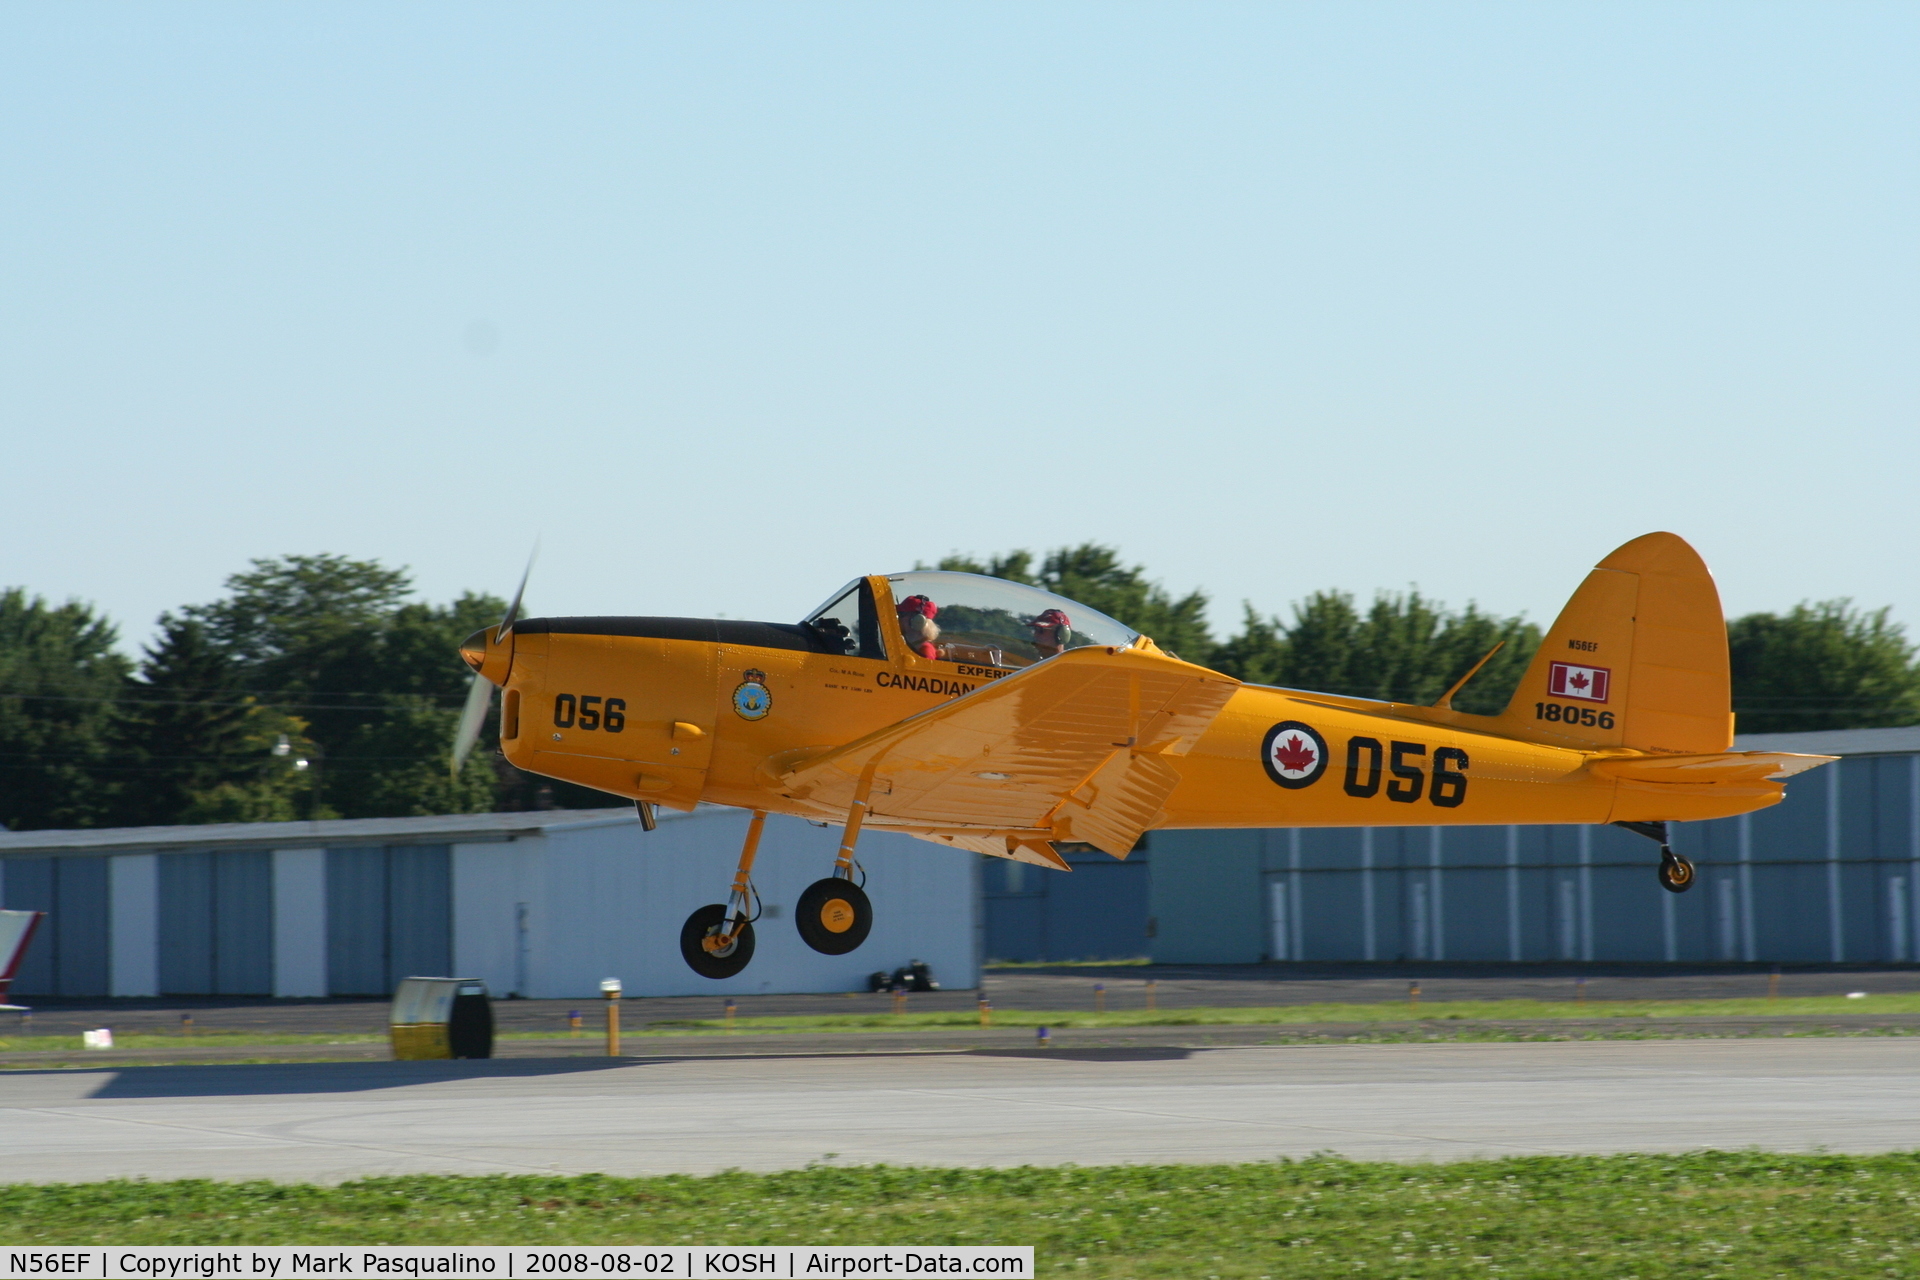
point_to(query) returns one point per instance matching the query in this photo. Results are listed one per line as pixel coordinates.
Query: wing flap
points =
(1034, 849)
(1120, 800)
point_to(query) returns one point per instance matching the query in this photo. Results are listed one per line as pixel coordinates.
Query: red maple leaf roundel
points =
(1295, 755)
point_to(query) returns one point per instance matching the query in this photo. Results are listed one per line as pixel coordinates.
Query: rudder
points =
(1637, 658)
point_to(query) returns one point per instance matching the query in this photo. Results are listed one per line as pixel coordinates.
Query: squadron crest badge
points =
(751, 701)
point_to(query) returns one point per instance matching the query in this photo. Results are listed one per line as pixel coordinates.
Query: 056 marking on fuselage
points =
(589, 712)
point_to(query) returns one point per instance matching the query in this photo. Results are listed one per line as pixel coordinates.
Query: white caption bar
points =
(497, 1262)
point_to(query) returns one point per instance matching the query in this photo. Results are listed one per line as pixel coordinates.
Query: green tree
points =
(395, 766)
(1094, 575)
(1258, 654)
(377, 678)
(1403, 648)
(285, 620)
(192, 746)
(59, 675)
(1822, 665)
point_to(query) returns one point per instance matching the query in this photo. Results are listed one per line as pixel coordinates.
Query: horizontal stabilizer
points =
(1738, 768)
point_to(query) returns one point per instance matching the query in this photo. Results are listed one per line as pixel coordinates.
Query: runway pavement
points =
(332, 1121)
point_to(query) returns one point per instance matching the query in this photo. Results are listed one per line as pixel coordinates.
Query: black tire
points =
(1676, 873)
(834, 916)
(714, 964)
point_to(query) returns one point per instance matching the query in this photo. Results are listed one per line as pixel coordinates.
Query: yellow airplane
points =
(996, 717)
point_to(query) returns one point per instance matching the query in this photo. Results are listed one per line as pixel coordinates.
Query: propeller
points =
(480, 692)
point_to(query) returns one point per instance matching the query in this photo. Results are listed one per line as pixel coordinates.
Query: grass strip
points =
(1381, 1011)
(1231, 1015)
(1731, 1214)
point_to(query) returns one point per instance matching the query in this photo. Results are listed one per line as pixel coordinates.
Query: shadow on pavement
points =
(261, 1079)
(1118, 1053)
(268, 1079)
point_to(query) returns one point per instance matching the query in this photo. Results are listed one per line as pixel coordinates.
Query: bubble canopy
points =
(968, 617)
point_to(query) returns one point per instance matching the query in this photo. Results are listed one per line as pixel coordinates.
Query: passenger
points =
(1051, 632)
(917, 625)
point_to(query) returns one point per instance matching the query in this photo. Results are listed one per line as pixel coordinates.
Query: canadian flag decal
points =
(1589, 684)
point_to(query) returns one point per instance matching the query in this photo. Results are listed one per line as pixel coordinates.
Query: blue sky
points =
(728, 303)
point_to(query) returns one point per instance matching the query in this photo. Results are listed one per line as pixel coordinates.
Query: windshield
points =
(966, 617)
(847, 623)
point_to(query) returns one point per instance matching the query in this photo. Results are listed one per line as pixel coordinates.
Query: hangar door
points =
(68, 955)
(1098, 911)
(216, 924)
(389, 916)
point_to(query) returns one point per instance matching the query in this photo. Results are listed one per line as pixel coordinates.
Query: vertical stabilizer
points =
(1638, 658)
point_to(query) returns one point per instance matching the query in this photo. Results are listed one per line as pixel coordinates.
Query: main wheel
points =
(834, 916)
(724, 963)
(1676, 873)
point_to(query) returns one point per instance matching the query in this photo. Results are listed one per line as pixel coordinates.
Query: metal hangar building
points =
(1827, 876)
(536, 904)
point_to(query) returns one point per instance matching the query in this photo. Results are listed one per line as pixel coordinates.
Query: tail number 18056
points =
(1555, 713)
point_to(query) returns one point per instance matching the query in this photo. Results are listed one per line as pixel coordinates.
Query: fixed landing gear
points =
(1676, 873)
(717, 941)
(834, 915)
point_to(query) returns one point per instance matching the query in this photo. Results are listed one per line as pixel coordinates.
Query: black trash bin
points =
(442, 1018)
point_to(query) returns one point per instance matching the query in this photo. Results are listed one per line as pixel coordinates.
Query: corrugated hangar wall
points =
(549, 904)
(1098, 911)
(70, 961)
(389, 915)
(539, 904)
(1826, 876)
(215, 922)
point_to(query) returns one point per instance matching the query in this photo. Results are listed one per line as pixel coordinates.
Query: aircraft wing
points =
(1073, 748)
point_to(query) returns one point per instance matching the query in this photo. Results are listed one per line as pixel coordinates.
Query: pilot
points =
(1051, 631)
(917, 625)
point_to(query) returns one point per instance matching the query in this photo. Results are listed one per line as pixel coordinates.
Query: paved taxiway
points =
(327, 1122)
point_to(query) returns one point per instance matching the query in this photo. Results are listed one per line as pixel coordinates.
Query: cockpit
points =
(962, 617)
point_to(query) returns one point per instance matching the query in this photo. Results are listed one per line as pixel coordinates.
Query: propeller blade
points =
(480, 692)
(472, 716)
(513, 610)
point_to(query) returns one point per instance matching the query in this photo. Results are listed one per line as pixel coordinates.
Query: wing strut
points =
(856, 818)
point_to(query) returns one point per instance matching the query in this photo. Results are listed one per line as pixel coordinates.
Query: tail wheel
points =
(834, 916)
(1676, 873)
(710, 922)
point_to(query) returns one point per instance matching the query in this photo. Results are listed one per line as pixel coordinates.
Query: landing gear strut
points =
(1676, 873)
(834, 915)
(717, 941)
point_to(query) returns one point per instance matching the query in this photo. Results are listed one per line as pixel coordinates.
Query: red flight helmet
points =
(920, 605)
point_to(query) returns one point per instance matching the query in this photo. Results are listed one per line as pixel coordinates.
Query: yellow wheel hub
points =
(836, 915)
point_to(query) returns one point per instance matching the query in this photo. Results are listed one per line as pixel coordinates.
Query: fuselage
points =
(682, 711)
